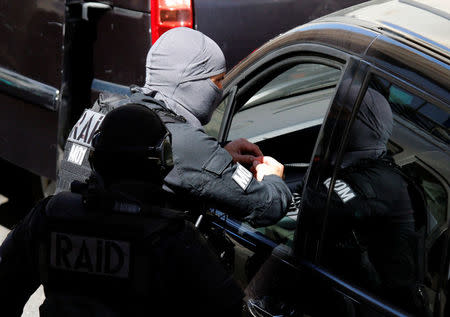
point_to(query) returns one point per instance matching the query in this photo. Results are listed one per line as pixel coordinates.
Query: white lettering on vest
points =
(84, 129)
(242, 176)
(342, 189)
(89, 255)
(77, 154)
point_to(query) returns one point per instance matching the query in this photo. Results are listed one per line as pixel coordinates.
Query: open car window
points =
(282, 114)
(294, 100)
(286, 111)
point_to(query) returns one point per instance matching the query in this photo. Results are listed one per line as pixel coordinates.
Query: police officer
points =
(373, 219)
(109, 247)
(184, 76)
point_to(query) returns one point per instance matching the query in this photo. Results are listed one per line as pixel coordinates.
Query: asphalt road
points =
(31, 309)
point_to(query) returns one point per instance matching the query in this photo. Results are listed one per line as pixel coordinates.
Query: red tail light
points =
(169, 14)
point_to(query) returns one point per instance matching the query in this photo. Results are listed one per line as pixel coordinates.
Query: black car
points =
(287, 97)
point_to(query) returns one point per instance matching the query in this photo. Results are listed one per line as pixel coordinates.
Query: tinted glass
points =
(435, 194)
(381, 214)
(423, 114)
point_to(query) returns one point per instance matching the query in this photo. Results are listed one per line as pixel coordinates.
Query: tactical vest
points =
(75, 164)
(103, 254)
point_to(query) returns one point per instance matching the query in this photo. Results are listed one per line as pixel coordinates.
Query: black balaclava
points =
(179, 67)
(371, 129)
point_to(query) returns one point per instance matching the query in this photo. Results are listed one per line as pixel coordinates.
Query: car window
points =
(284, 111)
(296, 99)
(213, 127)
(380, 214)
(435, 194)
(288, 109)
(422, 114)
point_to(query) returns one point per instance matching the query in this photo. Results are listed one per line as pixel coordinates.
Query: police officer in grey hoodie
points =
(184, 73)
(184, 70)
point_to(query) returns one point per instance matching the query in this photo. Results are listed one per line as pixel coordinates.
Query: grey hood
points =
(371, 130)
(179, 66)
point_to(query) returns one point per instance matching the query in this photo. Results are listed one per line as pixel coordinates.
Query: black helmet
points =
(132, 143)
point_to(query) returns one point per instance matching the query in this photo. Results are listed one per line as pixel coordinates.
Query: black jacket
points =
(169, 270)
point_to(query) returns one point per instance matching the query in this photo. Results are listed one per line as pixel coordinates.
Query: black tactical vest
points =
(75, 164)
(104, 254)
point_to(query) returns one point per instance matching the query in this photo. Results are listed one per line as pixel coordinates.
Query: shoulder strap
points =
(166, 115)
(108, 101)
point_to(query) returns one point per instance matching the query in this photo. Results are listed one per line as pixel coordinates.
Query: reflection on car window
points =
(296, 99)
(419, 112)
(299, 79)
(435, 194)
(213, 127)
(376, 217)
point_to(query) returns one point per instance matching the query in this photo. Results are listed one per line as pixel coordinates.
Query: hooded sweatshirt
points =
(371, 130)
(179, 66)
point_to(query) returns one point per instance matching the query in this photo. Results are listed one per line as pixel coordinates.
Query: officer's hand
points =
(266, 165)
(243, 151)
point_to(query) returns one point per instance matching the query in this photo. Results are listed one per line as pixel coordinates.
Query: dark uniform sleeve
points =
(205, 170)
(19, 267)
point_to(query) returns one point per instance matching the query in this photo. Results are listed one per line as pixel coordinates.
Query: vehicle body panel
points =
(368, 51)
(31, 57)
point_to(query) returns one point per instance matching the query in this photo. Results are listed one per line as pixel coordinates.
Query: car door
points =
(419, 144)
(281, 106)
(285, 259)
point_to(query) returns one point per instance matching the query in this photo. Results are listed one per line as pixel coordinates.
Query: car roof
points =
(425, 22)
(417, 26)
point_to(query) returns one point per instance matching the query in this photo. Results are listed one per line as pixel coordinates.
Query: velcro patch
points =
(77, 154)
(84, 129)
(342, 189)
(90, 255)
(242, 176)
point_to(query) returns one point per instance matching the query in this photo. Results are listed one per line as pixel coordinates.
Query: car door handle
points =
(92, 5)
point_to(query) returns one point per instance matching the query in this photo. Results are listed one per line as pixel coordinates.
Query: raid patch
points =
(342, 189)
(83, 131)
(90, 255)
(242, 176)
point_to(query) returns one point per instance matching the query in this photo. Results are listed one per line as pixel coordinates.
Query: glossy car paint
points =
(31, 33)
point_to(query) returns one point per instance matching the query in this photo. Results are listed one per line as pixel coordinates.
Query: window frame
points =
(421, 93)
(262, 69)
